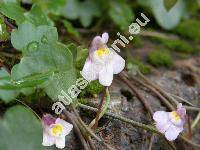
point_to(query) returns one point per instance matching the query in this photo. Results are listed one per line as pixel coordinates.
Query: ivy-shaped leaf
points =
(20, 130)
(37, 16)
(44, 54)
(71, 9)
(87, 10)
(36, 35)
(167, 19)
(121, 13)
(84, 11)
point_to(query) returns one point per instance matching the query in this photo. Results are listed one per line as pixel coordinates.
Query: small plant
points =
(175, 45)
(189, 29)
(92, 89)
(160, 58)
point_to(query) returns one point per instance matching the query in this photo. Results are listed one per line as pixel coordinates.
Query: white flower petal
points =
(173, 132)
(67, 127)
(105, 37)
(88, 71)
(106, 75)
(162, 127)
(161, 117)
(60, 142)
(117, 62)
(48, 140)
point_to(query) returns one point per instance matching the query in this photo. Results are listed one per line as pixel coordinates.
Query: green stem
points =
(196, 121)
(104, 109)
(89, 131)
(134, 123)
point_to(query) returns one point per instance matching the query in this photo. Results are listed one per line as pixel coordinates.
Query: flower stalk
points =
(101, 109)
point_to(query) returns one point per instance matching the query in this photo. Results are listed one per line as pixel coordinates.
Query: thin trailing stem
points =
(121, 118)
(95, 125)
(134, 90)
(90, 143)
(151, 142)
(189, 127)
(29, 108)
(89, 131)
(163, 99)
(192, 108)
(196, 121)
(76, 128)
(165, 94)
(182, 99)
(137, 124)
(9, 24)
(103, 110)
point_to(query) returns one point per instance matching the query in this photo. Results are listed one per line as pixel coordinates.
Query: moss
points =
(175, 45)
(145, 69)
(82, 101)
(160, 58)
(92, 89)
(196, 50)
(190, 29)
(183, 56)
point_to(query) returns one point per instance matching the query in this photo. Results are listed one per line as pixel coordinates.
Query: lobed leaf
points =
(16, 130)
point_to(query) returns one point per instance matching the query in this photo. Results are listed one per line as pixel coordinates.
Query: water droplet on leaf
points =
(33, 46)
(44, 39)
(18, 82)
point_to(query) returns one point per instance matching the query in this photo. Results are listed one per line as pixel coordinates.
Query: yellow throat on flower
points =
(175, 116)
(102, 51)
(57, 130)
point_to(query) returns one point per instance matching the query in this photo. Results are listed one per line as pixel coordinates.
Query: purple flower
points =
(54, 131)
(170, 123)
(102, 62)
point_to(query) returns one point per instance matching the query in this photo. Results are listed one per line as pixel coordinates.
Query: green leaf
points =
(169, 4)
(79, 54)
(121, 13)
(20, 130)
(47, 58)
(165, 19)
(60, 81)
(71, 9)
(41, 58)
(12, 10)
(50, 6)
(37, 16)
(36, 35)
(84, 11)
(87, 10)
(4, 35)
(73, 49)
(6, 95)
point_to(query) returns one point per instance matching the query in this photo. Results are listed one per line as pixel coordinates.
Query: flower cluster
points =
(54, 131)
(102, 62)
(170, 123)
